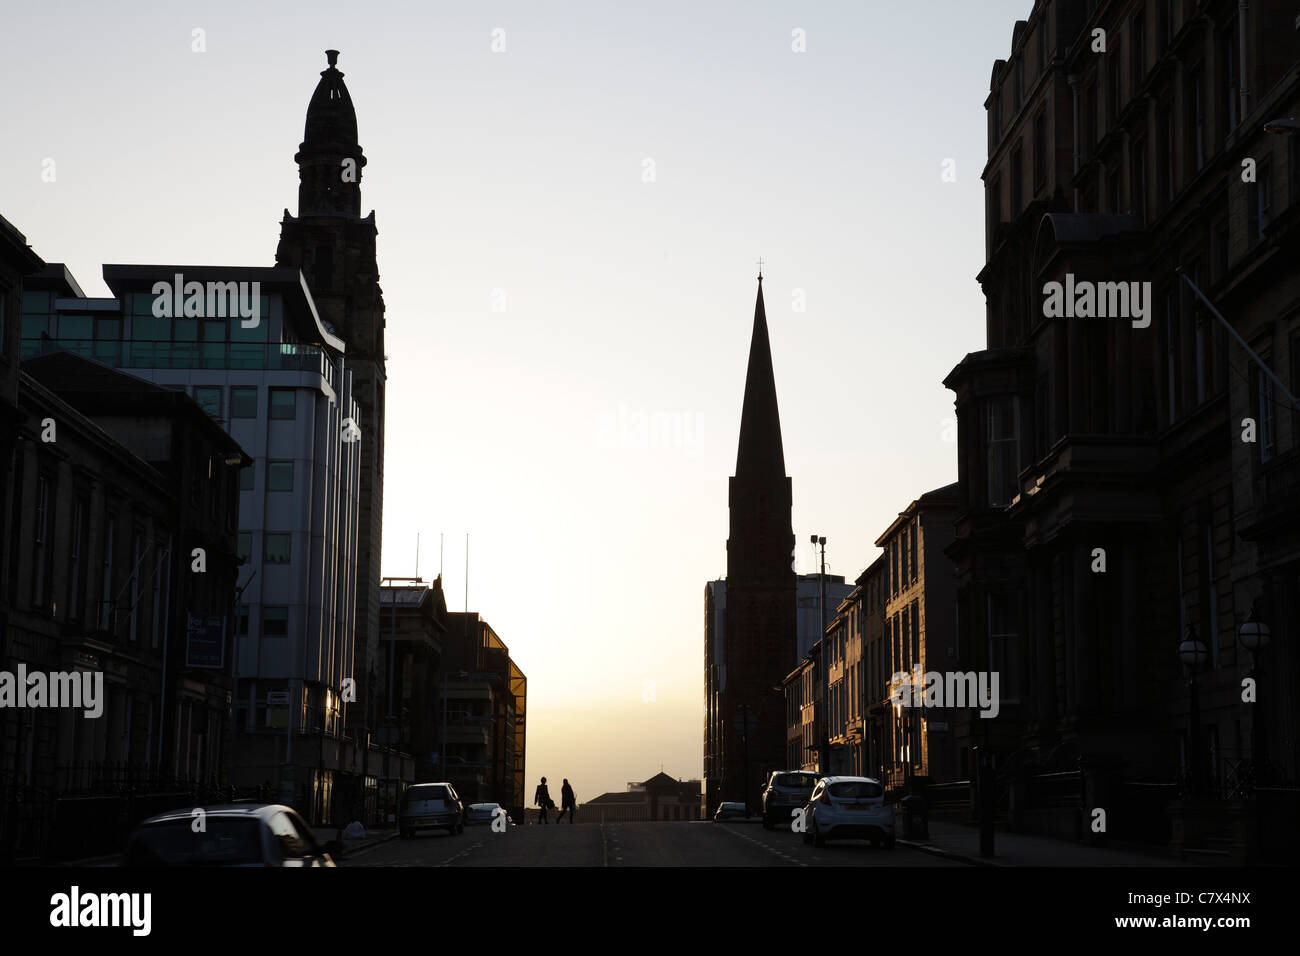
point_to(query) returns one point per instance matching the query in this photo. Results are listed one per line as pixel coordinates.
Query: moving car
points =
(786, 791)
(430, 806)
(729, 811)
(480, 813)
(849, 808)
(240, 834)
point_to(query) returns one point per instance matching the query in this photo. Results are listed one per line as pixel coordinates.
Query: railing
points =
(278, 356)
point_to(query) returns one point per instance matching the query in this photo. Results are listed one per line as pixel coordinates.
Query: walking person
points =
(567, 802)
(543, 799)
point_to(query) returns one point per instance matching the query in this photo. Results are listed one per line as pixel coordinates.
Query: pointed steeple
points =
(760, 452)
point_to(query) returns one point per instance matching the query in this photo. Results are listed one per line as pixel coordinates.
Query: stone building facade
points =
(1109, 507)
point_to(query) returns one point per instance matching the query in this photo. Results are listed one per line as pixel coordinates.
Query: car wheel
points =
(875, 842)
(819, 841)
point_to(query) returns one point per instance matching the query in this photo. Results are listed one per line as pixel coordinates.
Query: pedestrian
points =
(567, 802)
(543, 799)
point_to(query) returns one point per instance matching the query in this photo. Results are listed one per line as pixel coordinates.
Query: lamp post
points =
(1192, 653)
(824, 760)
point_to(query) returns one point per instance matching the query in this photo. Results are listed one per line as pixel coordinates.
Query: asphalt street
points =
(632, 845)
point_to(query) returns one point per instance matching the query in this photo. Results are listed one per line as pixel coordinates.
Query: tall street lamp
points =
(1193, 653)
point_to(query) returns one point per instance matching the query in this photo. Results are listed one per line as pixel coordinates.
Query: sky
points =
(571, 201)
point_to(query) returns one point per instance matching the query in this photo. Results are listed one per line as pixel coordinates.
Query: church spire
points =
(330, 158)
(760, 453)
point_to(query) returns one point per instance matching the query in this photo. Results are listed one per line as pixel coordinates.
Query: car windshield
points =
(425, 793)
(855, 789)
(798, 781)
(226, 841)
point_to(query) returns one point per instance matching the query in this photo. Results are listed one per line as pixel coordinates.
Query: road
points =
(633, 844)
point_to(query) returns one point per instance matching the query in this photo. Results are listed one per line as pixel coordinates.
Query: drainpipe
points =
(1243, 7)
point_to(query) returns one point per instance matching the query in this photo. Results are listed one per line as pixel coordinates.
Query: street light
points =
(1282, 126)
(1193, 653)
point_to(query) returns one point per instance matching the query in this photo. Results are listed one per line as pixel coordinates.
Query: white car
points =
(848, 808)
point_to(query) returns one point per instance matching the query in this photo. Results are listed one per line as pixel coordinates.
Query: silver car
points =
(848, 808)
(239, 834)
(431, 806)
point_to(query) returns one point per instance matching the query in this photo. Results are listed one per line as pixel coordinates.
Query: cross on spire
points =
(760, 268)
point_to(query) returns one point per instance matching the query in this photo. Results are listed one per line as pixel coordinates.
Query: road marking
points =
(465, 852)
(769, 849)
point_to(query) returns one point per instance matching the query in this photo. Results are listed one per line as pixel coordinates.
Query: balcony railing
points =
(233, 356)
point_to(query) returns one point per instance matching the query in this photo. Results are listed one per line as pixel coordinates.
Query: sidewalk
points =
(962, 842)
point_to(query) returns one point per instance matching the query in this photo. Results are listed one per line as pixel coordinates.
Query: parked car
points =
(241, 834)
(729, 811)
(785, 792)
(848, 808)
(480, 813)
(430, 806)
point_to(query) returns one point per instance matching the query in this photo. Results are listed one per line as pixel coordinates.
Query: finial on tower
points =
(333, 57)
(760, 268)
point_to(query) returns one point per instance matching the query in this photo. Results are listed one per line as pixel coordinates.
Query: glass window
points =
(146, 328)
(76, 327)
(284, 403)
(186, 330)
(1003, 451)
(244, 545)
(243, 401)
(34, 325)
(209, 399)
(36, 301)
(247, 477)
(277, 548)
(279, 476)
(257, 333)
(275, 621)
